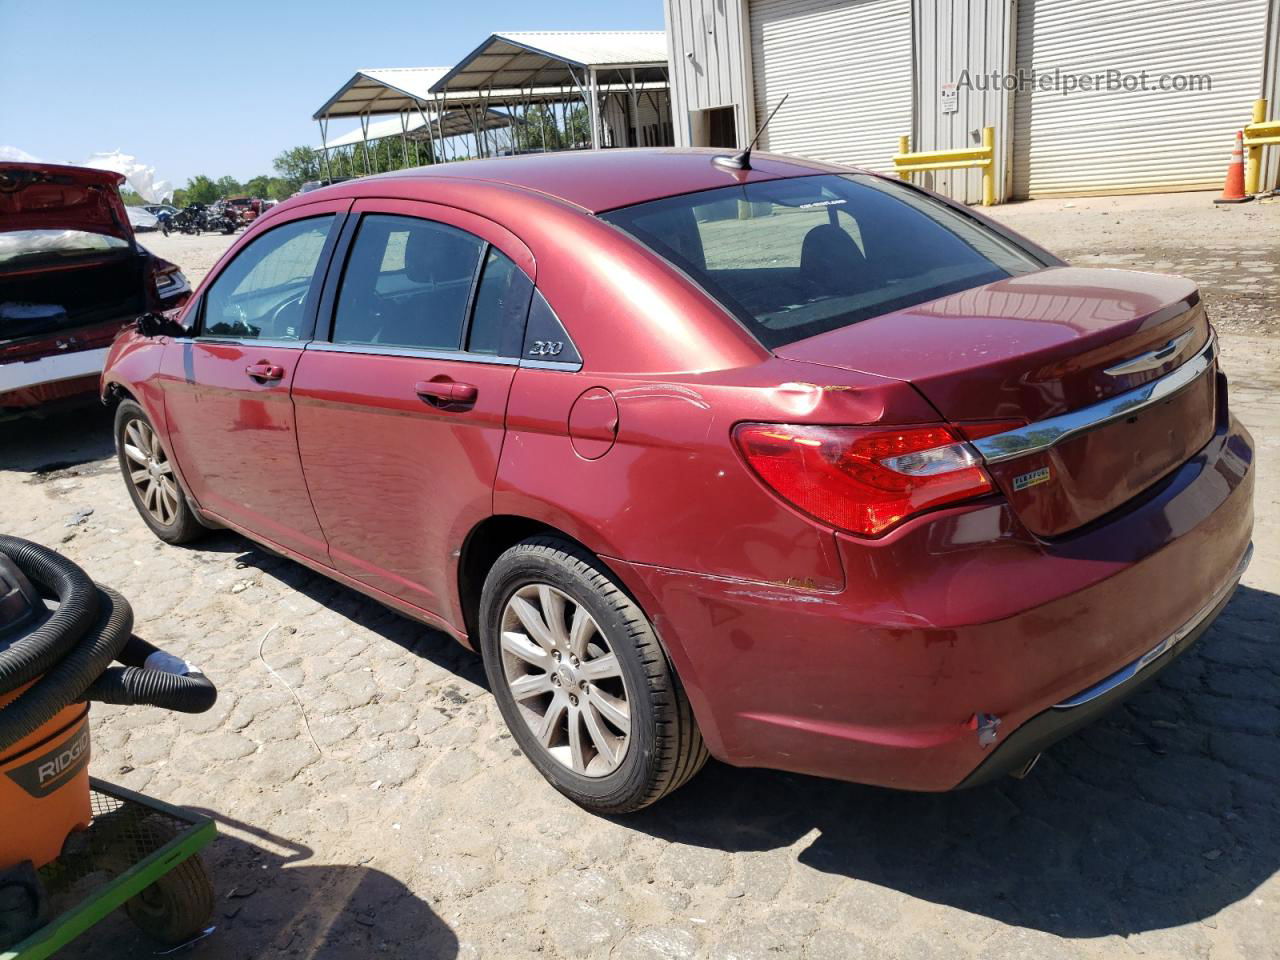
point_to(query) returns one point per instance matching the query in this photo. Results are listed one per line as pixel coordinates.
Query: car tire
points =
(620, 661)
(149, 477)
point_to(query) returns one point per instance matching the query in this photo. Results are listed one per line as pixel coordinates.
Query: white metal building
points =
(861, 73)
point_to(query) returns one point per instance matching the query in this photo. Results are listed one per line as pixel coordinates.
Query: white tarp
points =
(140, 177)
(14, 155)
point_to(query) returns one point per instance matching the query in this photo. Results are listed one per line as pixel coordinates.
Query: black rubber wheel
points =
(176, 907)
(152, 483)
(587, 757)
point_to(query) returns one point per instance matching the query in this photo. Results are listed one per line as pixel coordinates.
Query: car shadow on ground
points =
(60, 441)
(270, 902)
(418, 639)
(1161, 814)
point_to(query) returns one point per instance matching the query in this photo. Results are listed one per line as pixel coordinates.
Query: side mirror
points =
(159, 325)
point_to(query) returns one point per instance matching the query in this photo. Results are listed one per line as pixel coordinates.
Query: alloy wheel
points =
(150, 472)
(565, 680)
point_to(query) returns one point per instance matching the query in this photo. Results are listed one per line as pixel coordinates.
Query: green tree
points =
(259, 186)
(579, 124)
(200, 189)
(227, 186)
(540, 128)
(538, 131)
(297, 165)
(278, 189)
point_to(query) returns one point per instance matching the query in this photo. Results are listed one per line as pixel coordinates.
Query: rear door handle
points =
(263, 372)
(446, 392)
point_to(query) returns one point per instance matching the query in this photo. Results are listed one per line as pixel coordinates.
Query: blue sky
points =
(221, 87)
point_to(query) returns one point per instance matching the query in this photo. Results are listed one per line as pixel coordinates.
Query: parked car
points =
(309, 185)
(140, 220)
(797, 465)
(72, 274)
(245, 209)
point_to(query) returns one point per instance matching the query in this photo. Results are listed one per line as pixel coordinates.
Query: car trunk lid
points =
(44, 196)
(1031, 348)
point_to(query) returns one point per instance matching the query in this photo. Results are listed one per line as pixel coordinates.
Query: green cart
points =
(138, 853)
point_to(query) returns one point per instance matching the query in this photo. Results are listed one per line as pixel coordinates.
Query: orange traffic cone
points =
(1233, 192)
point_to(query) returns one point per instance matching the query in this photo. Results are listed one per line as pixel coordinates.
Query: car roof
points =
(599, 180)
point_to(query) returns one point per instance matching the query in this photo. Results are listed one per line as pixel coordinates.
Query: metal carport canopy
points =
(454, 123)
(382, 90)
(515, 61)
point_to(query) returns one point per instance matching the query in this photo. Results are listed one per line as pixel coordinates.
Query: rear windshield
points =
(26, 246)
(795, 258)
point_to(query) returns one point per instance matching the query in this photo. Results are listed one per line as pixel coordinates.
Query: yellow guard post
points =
(906, 163)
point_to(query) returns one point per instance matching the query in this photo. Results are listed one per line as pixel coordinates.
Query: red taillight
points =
(863, 479)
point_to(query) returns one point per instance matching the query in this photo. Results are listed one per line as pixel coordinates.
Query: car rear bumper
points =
(956, 620)
(1046, 728)
(22, 375)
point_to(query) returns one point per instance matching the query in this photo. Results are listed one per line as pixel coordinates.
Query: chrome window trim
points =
(1044, 434)
(245, 341)
(377, 350)
(1127, 673)
(550, 365)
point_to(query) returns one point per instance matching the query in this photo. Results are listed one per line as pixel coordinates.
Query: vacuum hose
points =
(69, 654)
(153, 677)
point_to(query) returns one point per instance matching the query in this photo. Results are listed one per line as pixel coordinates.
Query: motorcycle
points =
(197, 218)
(190, 219)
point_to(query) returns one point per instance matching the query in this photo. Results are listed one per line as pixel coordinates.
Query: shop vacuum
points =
(65, 642)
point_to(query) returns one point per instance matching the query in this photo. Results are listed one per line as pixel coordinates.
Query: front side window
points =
(263, 294)
(407, 284)
(798, 257)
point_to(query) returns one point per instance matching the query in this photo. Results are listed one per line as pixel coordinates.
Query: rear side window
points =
(502, 301)
(407, 284)
(795, 258)
(263, 294)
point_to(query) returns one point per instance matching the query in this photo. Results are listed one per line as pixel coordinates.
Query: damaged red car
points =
(790, 464)
(72, 275)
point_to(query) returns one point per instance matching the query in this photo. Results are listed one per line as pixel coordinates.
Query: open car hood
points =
(47, 196)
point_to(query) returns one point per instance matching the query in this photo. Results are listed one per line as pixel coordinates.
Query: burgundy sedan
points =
(795, 465)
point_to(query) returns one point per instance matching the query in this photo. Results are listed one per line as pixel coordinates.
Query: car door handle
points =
(263, 372)
(446, 392)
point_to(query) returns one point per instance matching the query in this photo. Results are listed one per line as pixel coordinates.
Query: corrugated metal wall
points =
(953, 36)
(846, 68)
(709, 64)
(1105, 141)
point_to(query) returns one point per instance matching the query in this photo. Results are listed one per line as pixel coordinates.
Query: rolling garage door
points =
(846, 67)
(1116, 140)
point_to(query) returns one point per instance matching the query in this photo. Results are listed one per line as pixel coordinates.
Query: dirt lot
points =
(413, 829)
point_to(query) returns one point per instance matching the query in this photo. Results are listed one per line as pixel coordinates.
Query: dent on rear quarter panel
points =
(673, 491)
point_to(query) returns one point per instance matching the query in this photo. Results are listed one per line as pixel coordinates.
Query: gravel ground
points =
(412, 828)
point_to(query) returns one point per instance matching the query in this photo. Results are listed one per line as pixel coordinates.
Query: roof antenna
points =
(742, 161)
